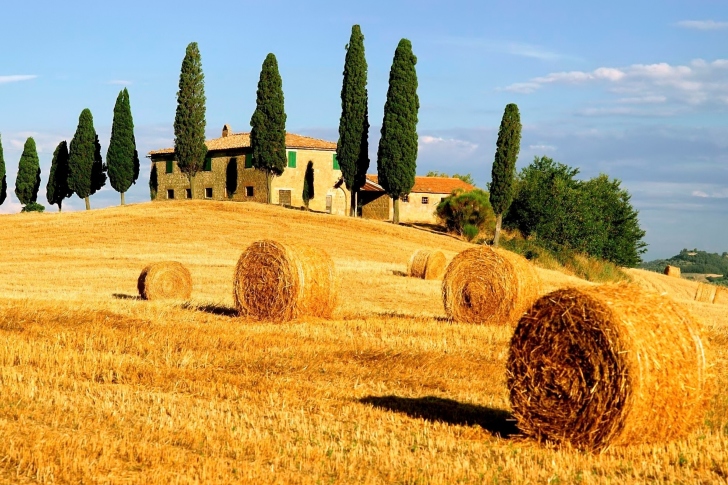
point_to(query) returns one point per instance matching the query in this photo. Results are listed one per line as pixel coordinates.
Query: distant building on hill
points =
(228, 174)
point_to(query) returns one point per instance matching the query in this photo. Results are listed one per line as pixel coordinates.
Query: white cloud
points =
(17, 78)
(451, 144)
(702, 24)
(120, 82)
(647, 99)
(542, 148)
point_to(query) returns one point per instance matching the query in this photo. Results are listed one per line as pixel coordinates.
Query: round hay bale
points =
(705, 293)
(165, 280)
(721, 296)
(279, 282)
(672, 271)
(609, 365)
(426, 264)
(489, 286)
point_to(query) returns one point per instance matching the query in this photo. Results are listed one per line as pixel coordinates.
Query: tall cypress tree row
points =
(28, 179)
(81, 157)
(268, 124)
(3, 176)
(189, 121)
(98, 169)
(120, 157)
(504, 165)
(57, 186)
(352, 150)
(397, 153)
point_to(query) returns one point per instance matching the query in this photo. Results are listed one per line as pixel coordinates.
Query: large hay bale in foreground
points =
(609, 365)
(279, 282)
(705, 293)
(672, 271)
(489, 286)
(426, 264)
(165, 280)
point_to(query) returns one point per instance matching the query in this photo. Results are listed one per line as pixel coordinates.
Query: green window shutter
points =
(170, 166)
(292, 159)
(208, 164)
(248, 160)
(336, 163)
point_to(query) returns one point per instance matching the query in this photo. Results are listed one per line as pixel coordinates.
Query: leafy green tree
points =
(467, 178)
(98, 168)
(33, 207)
(3, 176)
(189, 121)
(122, 158)
(268, 124)
(461, 209)
(82, 157)
(504, 165)
(308, 187)
(352, 150)
(397, 152)
(153, 182)
(28, 179)
(57, 187)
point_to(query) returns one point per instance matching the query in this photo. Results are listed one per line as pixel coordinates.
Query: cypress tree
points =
(57, 186)
(81, 157)
(268, 124)
(189, 121)
(28, 179)
(153, 182)
(504, 165)
(308, 190)
(98, 169)
(352, 150)
(122, 158)
(397, 153)
(3, 176)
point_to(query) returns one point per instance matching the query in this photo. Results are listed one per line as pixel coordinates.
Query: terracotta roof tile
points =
(242, 140)
(433, 185)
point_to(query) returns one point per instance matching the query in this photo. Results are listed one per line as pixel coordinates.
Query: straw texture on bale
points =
(165, 280)
(606, 366)
(279, 282)
(672, 271)
(705, 293)
(426, 264)
(489, 286)
(721, 296)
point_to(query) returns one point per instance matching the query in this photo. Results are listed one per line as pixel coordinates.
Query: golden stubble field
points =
(97, 386)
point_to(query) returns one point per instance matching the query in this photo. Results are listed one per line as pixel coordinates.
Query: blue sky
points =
(637, 90)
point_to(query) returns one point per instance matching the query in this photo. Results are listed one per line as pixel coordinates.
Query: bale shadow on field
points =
(124, 296)
(396, 272)
(221, 310)
(497, 422)
(408, 316)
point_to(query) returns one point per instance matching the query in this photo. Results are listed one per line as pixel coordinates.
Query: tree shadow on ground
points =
(221, 310)
(124, 296)
(497, 422)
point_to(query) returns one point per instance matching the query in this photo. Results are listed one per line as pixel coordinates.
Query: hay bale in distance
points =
(489, 286)
(672, 271)
(426, 264)
(705, 293)
(721, 296)
(279, 282)
(609, 365)
(165, 280)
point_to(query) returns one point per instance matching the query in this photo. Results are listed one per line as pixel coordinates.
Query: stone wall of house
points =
(375, 205)
(418, 210)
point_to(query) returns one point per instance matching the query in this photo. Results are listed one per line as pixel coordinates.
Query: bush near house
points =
(467, 213)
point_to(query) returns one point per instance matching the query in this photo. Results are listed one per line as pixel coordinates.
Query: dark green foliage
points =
(397, 152)
(467, 178)
(231, 177)
(462, 209)
(153, 182)
(352, 150)
(3, 176)
(57, 187)
(98, 169)
(592, 217)
(268, 124)
(692, 261)
(81, 156)
(504, 165)
(33, 207)
(470, 231)
(189, 121)
(308, 187)
(122, 158)
(28, 180)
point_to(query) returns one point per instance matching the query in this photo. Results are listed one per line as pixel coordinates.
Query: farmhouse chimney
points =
(226, 130)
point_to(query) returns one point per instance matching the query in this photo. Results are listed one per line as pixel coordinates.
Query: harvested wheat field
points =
(100, 386)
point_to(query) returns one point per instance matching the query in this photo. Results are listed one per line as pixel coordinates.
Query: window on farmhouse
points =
(292, 159)
(170, 193)
(425, 200)
(405, 198)
(170, 166)
(188, 193)
(208, 192)
(207, 167)
(249, 191)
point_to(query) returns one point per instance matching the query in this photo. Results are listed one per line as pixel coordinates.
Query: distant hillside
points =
(693, 261)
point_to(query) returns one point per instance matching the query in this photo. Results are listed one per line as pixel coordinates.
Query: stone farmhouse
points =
(227, 174)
